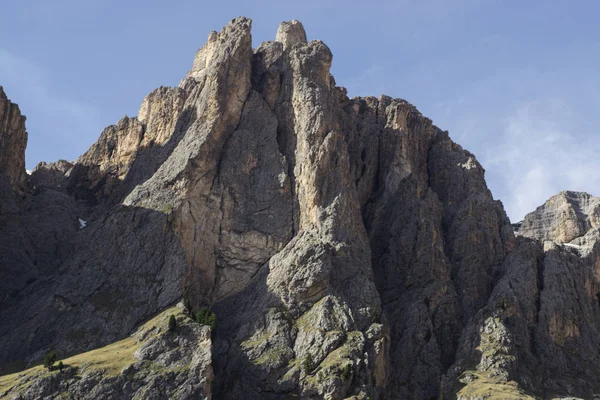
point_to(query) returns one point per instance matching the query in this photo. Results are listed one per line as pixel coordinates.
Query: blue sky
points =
(515, 82)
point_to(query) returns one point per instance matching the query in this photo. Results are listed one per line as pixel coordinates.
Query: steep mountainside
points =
(348, 247)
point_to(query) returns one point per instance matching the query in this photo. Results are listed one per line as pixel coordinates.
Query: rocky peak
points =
(563, 218)
(13, 140)
(349, 248)
(236, 33)
(290, 33)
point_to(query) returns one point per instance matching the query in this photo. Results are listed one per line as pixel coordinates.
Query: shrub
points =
(307, 363)
(207, 317)
(376, 316)
(502, 303)
(187, 303)
(172, 324)
(60, 366)
(49, 359)
(320, 377)
(347, 372)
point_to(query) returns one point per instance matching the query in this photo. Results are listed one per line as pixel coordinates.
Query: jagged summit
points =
(290, 33)
(349, 248)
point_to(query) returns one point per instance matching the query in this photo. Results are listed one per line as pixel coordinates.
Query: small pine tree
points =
(49, 359)
(307, 363)
(187, 303)
(207, 317)
(172, 324)
(60, 366)
(376, 316)
(347, 372)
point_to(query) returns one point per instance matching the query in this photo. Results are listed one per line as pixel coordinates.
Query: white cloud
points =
(544, 149)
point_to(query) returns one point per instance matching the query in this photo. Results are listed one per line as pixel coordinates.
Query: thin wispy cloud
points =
(542, 151)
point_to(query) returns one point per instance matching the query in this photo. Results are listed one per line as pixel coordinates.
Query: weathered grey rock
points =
(50, 175)
(290, 33)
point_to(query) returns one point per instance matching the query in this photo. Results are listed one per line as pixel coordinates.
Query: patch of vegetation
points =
(346, 372)
(49, 359)
(344, 353)
(257, 340)
(61, 366)
(484, 386)
(187, 303)
(308, 364)
(111, 359)
(166, 209)
(501, 303)
(376, 316)
(272, 357)
(206, 317)
(172, 324)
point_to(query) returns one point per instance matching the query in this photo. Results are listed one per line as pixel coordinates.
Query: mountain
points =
(348, 247)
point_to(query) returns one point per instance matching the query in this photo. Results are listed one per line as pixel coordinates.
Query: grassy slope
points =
(110, 359)
(486, 387)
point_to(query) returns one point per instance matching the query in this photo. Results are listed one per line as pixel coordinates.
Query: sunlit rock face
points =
(564, 217)
(348, 246)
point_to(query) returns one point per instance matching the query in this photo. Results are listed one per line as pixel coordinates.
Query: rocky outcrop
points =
(13, 140)
(349, 248)
(50, 175)
(564, 217)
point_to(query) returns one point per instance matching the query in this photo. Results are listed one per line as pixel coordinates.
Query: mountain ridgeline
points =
(348, 248)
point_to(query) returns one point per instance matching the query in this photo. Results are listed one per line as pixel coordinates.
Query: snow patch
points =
(470, 164)
(28, 171)
(82, 223)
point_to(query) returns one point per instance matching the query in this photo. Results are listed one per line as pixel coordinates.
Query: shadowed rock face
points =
(13, 140)
(348, 246)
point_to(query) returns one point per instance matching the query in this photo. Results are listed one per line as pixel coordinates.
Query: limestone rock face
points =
(564, 217)
(13, 140)
(349, 247)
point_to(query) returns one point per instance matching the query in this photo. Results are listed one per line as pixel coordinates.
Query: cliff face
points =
(348, 246)
(13, 140)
